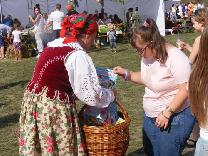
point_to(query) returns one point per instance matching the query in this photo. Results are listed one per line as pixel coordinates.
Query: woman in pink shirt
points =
(165, 72)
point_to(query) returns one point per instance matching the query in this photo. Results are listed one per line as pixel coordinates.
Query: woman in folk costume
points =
(48, 120)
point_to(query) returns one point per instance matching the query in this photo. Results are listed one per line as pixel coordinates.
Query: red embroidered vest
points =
(51, 73)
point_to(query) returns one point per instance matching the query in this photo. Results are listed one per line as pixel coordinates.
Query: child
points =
(16, 41)
(198, 88)
(111, 37)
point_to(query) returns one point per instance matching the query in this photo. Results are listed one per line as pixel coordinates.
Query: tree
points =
(120, 1)
(195, 1)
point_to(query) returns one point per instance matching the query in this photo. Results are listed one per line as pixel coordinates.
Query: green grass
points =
(15, 75)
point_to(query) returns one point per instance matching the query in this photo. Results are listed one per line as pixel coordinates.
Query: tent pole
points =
(86, 5)
(47, 7)
(1, 11)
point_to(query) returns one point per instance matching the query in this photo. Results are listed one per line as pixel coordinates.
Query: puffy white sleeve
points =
(84, 80)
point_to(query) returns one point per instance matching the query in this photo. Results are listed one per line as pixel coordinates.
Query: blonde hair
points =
(198, 86)
(201, 16)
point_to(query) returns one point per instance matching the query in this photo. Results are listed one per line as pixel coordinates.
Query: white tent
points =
(147, 8)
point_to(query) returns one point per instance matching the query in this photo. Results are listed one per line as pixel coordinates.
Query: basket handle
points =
(123, 110)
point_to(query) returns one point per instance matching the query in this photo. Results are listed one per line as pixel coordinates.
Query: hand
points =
(114, 91)
(45, 28)
(162, 119)
(30, 17)
(119, 70)
(181, 45)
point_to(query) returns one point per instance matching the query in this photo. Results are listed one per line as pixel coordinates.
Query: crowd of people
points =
(46, 27)
(175, 97)
(180, 16)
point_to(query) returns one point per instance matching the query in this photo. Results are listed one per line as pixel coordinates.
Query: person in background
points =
(198, 88)
(55, 19)
(48, 30)
(135, 18)
(173, 13)
(48, 121)
(96, 14)
(8, 21)
(200, 21)
(84, 12)
(38, 29)
(70, 10)
(129, 17)
(16, 33)
(4, 34)
(116, 20)
(165, 72)
(111, 37)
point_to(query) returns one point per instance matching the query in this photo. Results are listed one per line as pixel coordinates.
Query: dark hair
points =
(198, 86)
(149, 33)
(37, 6)
(58, 6)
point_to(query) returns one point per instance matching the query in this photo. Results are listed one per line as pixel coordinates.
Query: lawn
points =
(15, 75)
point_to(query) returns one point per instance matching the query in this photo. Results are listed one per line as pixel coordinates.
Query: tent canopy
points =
(147, 8)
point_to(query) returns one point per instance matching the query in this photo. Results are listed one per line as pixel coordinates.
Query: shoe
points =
(115, 51)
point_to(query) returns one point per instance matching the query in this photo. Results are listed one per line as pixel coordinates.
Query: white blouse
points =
(83, 77)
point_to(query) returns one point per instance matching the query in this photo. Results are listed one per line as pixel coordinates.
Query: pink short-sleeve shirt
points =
(161, 81)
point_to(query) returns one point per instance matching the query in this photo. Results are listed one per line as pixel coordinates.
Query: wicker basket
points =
(111, 140)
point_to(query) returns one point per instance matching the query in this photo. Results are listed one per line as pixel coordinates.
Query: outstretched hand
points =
(119, 70)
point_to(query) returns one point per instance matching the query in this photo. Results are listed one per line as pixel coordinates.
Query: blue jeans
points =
(170, 141)
(201, 147)
(113, 44)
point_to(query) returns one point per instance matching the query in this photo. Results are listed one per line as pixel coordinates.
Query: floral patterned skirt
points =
(49, 127)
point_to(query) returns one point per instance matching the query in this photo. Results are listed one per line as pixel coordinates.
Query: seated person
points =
(168, 25)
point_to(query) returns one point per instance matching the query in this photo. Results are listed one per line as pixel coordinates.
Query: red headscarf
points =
(77, 24)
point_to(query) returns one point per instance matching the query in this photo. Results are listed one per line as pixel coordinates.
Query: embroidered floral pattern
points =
(49, 127)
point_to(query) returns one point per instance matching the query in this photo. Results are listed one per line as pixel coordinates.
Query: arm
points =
(176, 104)
(34, 20)
(130, 75)
(194, 50)
(49, 22)
(84, 81)
(180, 70)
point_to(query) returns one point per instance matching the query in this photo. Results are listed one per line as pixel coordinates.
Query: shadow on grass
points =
(7, 86)
(140, 152)
(6, 120)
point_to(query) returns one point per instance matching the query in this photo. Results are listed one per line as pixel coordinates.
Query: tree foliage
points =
(195, 1)
(120, 1)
